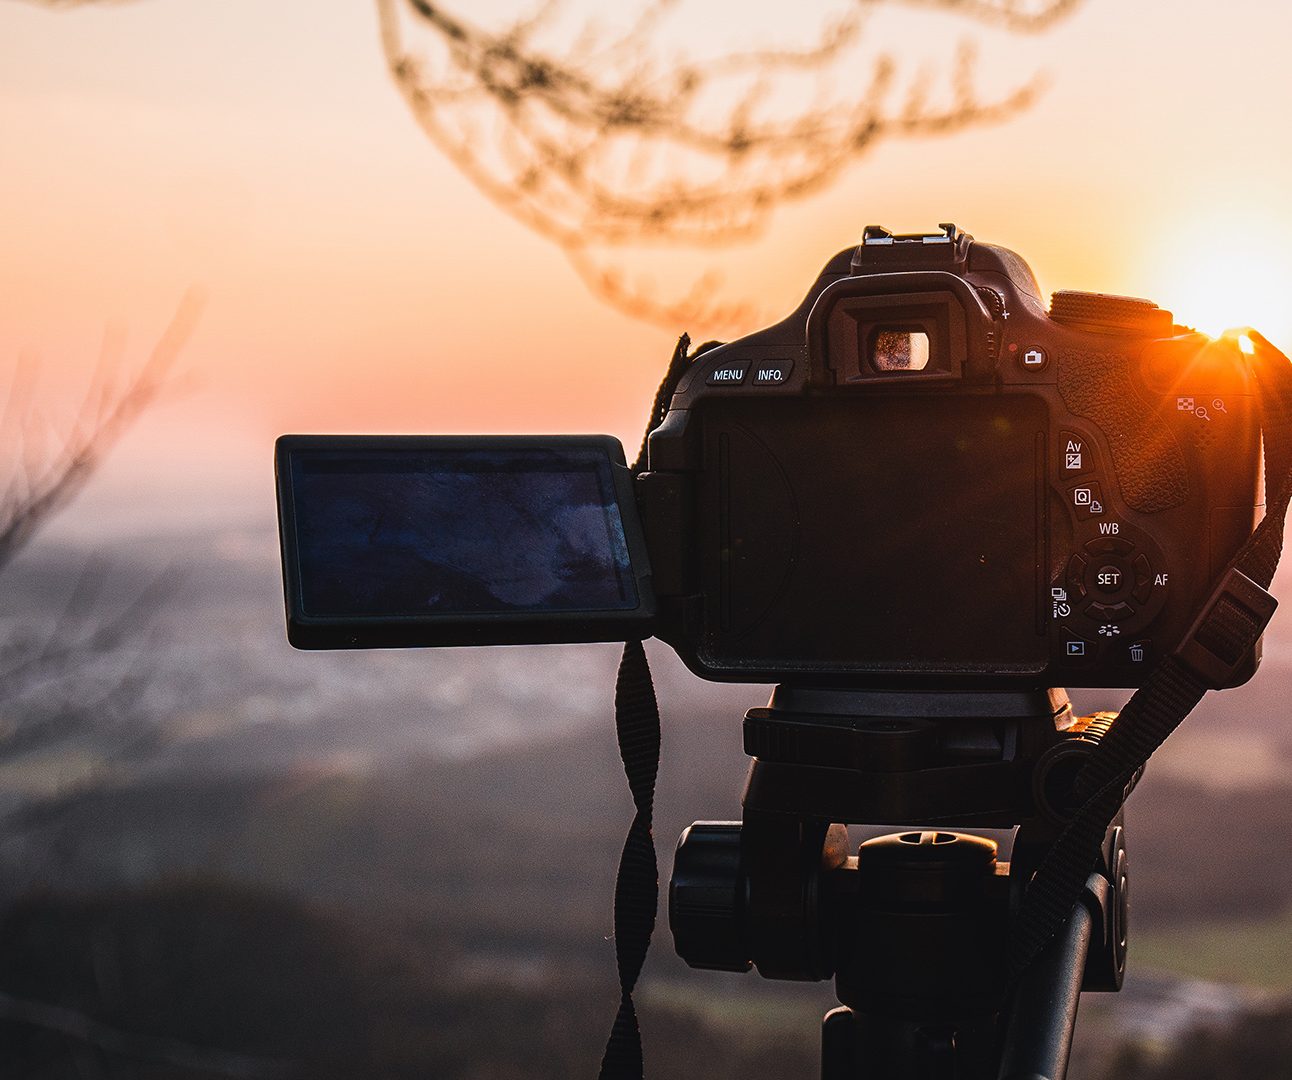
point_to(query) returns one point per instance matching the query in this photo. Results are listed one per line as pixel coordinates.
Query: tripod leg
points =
(912, 1051)
(1039, 1035)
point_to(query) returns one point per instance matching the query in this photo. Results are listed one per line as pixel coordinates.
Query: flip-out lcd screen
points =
(445, 530)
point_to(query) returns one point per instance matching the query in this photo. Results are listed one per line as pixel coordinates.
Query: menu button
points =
(732, 373)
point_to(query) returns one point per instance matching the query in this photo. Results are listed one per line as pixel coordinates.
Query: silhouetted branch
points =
(47, 470)
(602, 142)
(84, 672)
(1014, 15)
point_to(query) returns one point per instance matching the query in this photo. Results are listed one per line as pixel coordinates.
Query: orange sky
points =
(356, 281)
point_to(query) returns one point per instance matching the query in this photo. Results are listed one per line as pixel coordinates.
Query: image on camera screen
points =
(458, 531)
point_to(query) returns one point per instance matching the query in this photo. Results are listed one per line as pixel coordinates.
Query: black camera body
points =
(919, 480)
(923, 479)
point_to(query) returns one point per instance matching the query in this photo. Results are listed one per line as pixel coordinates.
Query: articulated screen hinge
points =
(665, 505)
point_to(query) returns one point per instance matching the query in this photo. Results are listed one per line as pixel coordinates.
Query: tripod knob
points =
(931, 869)
(706, 897)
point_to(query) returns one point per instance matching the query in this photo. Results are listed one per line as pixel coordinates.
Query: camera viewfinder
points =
(899, 350)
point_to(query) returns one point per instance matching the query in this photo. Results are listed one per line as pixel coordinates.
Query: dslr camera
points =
(920, 480)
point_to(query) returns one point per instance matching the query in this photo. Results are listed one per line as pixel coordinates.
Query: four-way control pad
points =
(1111, 589)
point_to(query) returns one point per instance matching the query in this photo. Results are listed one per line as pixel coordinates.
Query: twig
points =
(45, 485)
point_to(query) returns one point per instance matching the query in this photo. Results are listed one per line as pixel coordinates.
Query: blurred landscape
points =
(412, 855)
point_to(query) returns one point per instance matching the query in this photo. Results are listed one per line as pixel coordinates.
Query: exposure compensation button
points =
(1076, 457)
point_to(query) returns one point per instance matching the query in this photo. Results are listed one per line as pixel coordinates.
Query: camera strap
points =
(1223, 634)
(637, 882)
(637, 728)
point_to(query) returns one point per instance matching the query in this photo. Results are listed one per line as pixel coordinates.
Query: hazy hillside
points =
(467, 808)
(229, 694)
(360, 768)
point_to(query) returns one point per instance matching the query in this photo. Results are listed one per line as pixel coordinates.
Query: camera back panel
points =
(922, 478)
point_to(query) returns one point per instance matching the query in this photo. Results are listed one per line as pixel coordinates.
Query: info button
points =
(772, 372)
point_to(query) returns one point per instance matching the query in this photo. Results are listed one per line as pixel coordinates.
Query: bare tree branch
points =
(45, 479)
(601, 144)
(606, 140)
(83, 673)
(1019, 16)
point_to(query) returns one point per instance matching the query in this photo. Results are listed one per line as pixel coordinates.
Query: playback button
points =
(1076, 649)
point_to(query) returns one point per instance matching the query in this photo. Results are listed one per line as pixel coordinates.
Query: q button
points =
(1087, 500)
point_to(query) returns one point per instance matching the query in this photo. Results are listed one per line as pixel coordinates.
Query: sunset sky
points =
(355, 281)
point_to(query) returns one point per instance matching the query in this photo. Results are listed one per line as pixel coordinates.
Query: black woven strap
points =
(1224, 633)
(637, 884)
(637, 724)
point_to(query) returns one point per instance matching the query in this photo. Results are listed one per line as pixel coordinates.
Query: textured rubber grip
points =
(1147, 459)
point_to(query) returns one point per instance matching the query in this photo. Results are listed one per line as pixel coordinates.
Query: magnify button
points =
(1218, 404)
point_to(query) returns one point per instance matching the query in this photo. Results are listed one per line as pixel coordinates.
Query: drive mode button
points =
(732, 373)
(772, 372)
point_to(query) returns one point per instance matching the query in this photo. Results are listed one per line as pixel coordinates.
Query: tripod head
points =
(913, 925)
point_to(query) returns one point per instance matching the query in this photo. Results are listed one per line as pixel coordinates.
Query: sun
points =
(1226, 278)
